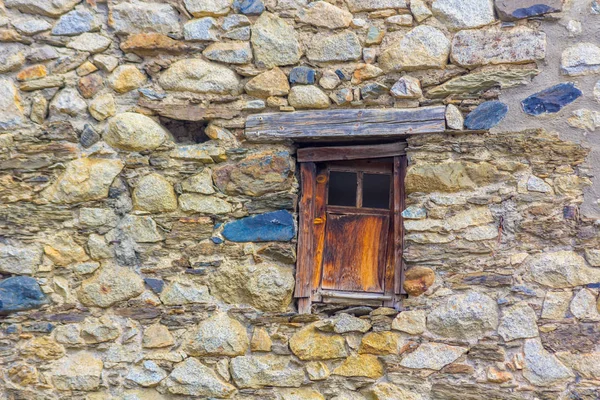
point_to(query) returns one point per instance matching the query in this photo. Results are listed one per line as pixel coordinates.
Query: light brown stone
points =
(311, 344)
(126, 78)
(363, 365)
(269, 83)
(417, 280)
(380, 343)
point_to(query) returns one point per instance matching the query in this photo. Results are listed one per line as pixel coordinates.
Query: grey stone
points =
(147, 375)
(19, 259)
(203, 29)
(560, 269)
(592, 256)
(343, 46)
(77, 371)
(235, 21)
(323, 14)
(470, 48)
(556, 304)
(199, 76)
(89, 136)
(141, 229)
(12, 57)
(153, 193)
(373, 90)
(218, 336)
(454, 118)
(374, 5)
(199, 203)
(109, 285)
(580, 59)
(535, 184)
(274, 41)
(344, 323)
(42, 53)
(68, 102)
(432, 356)
(193, 378)
(202, 8)
(11, 109)
(106, 63)
(52, 8)
(411, 322)
(90, 42)
(182, 292)
(238, 34)
(308, 96)
(200, 183)
(464, 316)
(268, 370)
(76, 22)
(584, 305)
(31, 26)
(142, 17)
(464, 14)
(421, 48)
(542, 368)
(134, 132)
(518, 322)
(407, 87)
(419, 10)
(229, 52)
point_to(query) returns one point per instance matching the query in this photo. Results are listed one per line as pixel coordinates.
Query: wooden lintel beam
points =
(337, 153)
(187, 111)
(345, 124)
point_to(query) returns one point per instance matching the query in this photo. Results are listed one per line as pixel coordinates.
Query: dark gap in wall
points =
(186, 132)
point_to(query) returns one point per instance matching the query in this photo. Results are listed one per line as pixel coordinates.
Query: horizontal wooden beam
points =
(187, 111)
(345, 124)
(336, 153)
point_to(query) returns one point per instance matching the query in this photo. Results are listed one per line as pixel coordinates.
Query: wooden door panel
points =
(354, 256)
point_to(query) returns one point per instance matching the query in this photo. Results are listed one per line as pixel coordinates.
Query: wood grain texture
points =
(319, 229)
(187, 111)
(334, 153)
(355, 252)
(306, 245)
(345, 124)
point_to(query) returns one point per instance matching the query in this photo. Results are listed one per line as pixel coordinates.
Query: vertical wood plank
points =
(319, 227)
(359, 189)
(305, 236)
(400, 204)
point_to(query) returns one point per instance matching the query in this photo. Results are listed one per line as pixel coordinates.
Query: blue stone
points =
(216, 240)
(533, 11)
(414, 212)
(275, 226)
(341, 75)
(486, 116)
(20, 293)
(42, 327)
(156, 285)
(75, 23)
(523, 290)
(302, 75)
(249, 7)
(594, 285)
(151, 94)
(373, 90)
(551, 100)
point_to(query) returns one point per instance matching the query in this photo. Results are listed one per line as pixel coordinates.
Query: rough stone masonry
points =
(138, 260)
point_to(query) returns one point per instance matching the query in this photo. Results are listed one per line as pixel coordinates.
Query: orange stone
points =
(152, 43)
(496, 376)
(418, 279)
(33, 72)
(90, 85)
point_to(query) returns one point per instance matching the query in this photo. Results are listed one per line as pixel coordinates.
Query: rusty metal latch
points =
(318, 221)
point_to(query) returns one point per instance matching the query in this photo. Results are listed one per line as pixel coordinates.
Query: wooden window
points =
(350, 241)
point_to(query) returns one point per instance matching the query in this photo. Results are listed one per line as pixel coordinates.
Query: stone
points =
(373, 90)
(269, 83)
(343, 46)
(556, 305)
(182, 292)
(541, 368)
(464, 316)
(20, 293)
(551, 100)
(11, 108)
(198, 76)
(255, 372)
(363, 365)
(99, 331)
(423, 47)
(432, 356)
(400, 20)
(43, 83)
(560, 269)
(31, 26)
(202, 8)
(375, 5)
(143, 17)
(142, 229)
(62, 250)
(470, 48)
(261, 341)
(152, 44)
(126, 78)
(274, 226)
(407, 87)
(102, 107)
(302, 75)
(585, 119)
(419, 10)
(374, 36)
(345, 323)
(235, 21)
(42, 53)
(229, 52)
(494, 375)
(486, 115)
(411, 322)
(90, 43)
(535, 184)
(592, 256)
(200, 183)
(249, 7)
(199, 203)
(78, 371)
(217, 336)
(17, 259)
(203, 29)
(193, 378)
(68, 102)
(33, 72)
(274, 41)
(513, 10)
(580, 59)
(310, 344)
(154, 194)
(446, 177)
(50, 9)
(388, 391)
(109, 285)
(12, 57)
(301, 394)
(76, 22)
(157, 336)
(583, 305)
(454, 118)
(518, 322)
(417, 280)
(84, 179)
(380, 343)
(588, 365)
(365, 72)
(464, 14)
(308, 97)
(90, 85)
(265, 287)
(329, 80)
(134, 132)
(317, 371)
(147, 375)
(343, 96)
(39, 109)
(323, 14)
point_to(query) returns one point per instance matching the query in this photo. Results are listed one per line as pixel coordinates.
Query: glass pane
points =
(342, 188)
(376, 191)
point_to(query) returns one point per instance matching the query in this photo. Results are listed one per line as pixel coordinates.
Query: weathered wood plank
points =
(187, 111)
(306, 244)
(335, 153)
(345, 124)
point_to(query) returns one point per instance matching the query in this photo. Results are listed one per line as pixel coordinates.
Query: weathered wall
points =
(132, 207)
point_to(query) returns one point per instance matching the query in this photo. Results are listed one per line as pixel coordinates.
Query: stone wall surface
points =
(147, 250)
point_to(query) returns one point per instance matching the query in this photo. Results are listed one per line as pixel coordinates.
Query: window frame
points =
(307, 273)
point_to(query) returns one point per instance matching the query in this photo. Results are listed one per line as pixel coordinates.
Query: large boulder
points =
(464, 316)
(134, 132)
(274, 41)
(199, 76)
(421, 48)
(218, 336)
(560, 269)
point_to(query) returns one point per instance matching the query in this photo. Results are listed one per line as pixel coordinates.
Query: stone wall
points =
(147, 250)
